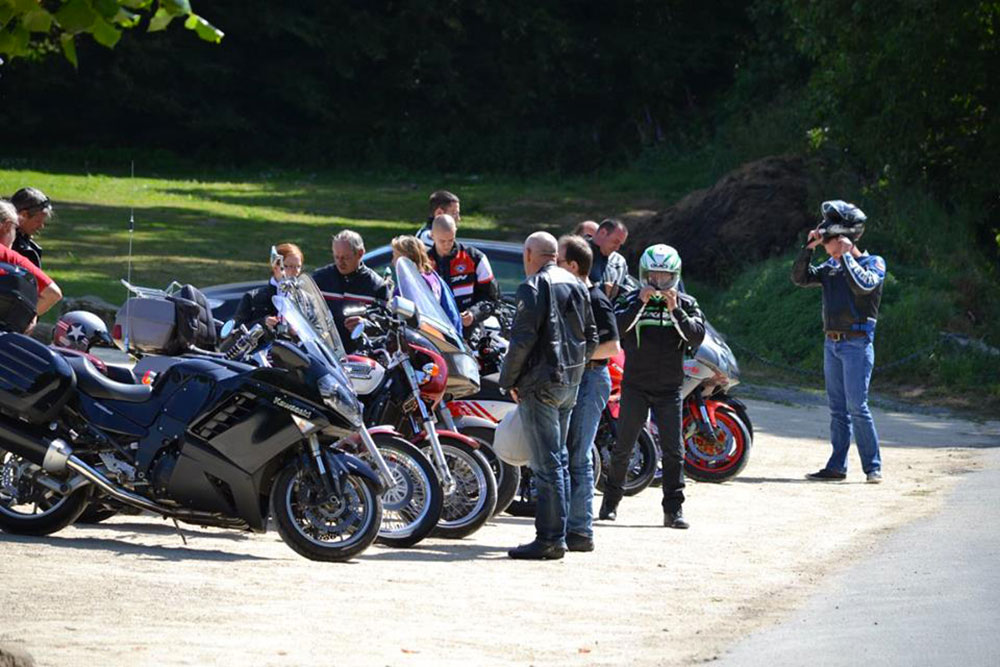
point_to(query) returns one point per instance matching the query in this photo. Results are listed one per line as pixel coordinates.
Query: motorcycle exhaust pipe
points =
(49, 454)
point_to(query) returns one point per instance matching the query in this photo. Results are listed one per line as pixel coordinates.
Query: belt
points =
(841, 335)
(596, 363)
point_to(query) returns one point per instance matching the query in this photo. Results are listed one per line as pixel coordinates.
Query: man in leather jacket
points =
(34, 209)
(551, 339)
(657, 324)
(348, 281)
(852, 291)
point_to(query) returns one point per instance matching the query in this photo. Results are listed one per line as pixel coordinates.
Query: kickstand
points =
(178, 527)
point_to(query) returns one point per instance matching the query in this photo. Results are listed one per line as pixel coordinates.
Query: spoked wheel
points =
(641, 465)
(28, 508)
(411, 507)
(324, 526)
(508, 476)
(471, 502)
(720, 456)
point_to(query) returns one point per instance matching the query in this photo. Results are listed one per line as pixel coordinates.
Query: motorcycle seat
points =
(93, 383)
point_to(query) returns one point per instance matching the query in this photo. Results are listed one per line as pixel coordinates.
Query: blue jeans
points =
(595, 387)
(847, 366)
(545, 412)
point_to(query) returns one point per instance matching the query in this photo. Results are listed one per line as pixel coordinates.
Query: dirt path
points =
(129, 592)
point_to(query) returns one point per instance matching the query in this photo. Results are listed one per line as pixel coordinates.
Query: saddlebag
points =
(35, 381)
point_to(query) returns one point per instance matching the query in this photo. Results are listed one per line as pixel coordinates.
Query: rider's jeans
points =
(848, 366)
(545, 412)
(636, 405)
(595, 387)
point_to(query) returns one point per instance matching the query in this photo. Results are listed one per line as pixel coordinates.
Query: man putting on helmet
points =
(852, 290)
(657, 325)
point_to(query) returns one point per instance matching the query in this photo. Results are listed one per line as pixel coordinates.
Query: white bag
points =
(509, 442)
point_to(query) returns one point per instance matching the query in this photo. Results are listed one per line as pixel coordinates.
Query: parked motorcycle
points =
(403, 375)
(411, 499)
(211, 442)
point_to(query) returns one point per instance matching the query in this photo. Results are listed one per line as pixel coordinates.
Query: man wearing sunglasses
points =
(33, 210)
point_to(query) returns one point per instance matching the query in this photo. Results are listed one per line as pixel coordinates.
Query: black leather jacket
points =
(553, 333)
(852, 289)
(27, 246)
(256, 306)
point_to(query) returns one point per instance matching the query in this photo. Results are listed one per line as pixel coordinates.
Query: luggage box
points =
(146, 325)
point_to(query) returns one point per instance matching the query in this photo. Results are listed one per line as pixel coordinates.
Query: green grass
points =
(219, 228)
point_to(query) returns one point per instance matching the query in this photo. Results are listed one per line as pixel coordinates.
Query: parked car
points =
(505, 258)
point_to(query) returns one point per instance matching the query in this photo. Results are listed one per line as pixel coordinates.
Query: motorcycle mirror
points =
(403, 307)
(227, 329)
(358, 331)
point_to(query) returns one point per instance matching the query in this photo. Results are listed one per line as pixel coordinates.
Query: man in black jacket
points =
(551, 339)
(347, 281)
(657, 324)
(466, 270)
(34, 209)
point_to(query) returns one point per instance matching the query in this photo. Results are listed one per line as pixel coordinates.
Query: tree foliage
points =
(32, 28)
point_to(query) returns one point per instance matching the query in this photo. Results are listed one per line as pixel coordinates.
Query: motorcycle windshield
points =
(715, 352)
(434, 321)
(300, 304)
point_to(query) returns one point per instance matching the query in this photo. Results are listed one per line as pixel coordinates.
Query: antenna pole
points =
(128, 270)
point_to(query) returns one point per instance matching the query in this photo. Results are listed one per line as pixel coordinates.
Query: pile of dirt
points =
(756, 211)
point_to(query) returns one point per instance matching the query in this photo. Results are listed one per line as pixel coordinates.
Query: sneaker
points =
(826, 475)
(875, 477)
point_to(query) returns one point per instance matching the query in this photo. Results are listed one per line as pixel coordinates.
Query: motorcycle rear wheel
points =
(642, 464)
(721, 458)
(472, 501)
(412, 506)
(322, 528)
(27, 508)
(508, 476)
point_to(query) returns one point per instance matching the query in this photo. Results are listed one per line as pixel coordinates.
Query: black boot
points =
(537, 551)
(609, 510)
(675, 519)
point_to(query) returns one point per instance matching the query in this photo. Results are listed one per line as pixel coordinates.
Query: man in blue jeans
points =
(852, 291)
(552, 337)
(575, 256)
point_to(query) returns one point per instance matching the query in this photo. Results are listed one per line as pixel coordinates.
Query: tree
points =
(32, 28)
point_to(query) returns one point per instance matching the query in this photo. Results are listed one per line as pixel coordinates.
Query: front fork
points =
(427, 419)
(703, 420)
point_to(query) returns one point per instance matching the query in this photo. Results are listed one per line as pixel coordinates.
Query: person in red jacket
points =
(48, 291)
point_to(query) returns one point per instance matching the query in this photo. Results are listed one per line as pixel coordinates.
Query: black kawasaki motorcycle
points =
(211, 442)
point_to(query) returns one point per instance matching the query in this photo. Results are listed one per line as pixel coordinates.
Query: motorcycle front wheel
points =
(321, 526)
(721, 456)
(27, 508)
(474, 496)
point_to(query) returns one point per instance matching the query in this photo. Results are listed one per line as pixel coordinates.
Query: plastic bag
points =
(509, 441)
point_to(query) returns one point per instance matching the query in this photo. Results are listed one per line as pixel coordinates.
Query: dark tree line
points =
(906, 88)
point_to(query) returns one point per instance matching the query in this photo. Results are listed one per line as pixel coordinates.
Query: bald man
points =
(466, 270)
(552, 338)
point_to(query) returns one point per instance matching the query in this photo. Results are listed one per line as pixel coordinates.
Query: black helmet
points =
(841, 218)
(80, 330)
(18, 298)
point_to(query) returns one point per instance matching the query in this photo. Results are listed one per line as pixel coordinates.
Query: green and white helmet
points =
(660, 257)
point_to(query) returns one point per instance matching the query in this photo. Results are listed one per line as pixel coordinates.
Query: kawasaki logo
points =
(291, 407)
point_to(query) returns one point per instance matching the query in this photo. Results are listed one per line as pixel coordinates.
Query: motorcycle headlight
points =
(341, 399)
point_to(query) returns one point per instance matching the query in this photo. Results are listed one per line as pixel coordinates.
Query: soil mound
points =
(753, 212)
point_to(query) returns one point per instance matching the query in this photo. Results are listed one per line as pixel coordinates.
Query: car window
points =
(508, 266)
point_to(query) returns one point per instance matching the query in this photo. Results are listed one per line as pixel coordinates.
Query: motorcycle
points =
(211, 442)
(403, 375)
(412, 498)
